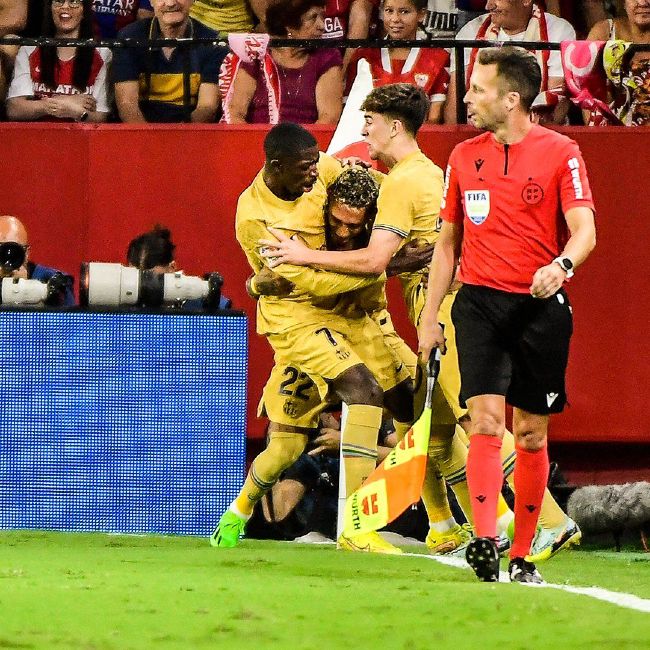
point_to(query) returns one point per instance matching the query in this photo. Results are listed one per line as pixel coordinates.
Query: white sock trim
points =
(238, 512)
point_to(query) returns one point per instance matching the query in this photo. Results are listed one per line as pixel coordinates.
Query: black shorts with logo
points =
(514, 345)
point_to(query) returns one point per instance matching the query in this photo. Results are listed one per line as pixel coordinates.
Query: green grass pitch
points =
(99, 591)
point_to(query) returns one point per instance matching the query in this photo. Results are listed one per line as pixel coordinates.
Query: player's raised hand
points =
(284, 249)
(547, 280)
(430, 337)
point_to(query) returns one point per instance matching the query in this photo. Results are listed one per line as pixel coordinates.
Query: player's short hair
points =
(153, 248)
(404, 102)
(281, 15)
(354, 187)
(517, 69)
(287, 140)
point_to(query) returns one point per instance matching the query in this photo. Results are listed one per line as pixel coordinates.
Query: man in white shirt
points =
(518, 20)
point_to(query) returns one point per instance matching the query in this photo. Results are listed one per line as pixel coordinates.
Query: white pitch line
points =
(629, 601)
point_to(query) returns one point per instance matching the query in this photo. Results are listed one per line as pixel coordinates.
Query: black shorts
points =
(513, 345)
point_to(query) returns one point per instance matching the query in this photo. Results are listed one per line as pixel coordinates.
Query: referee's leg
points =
(531, 476)
(484, 469)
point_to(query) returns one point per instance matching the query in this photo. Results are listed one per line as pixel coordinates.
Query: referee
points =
(518, 213)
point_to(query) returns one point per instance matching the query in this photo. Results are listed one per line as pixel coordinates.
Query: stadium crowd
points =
(207, 82)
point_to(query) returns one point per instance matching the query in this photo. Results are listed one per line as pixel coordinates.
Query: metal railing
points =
(185, 44)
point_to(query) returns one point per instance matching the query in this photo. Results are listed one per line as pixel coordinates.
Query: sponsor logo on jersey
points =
(333, 28)
(574, 167)
(477, 205)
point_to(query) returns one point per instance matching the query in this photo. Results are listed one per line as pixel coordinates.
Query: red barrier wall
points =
(84, 191)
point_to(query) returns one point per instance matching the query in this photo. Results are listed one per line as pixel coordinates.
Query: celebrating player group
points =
(511, 222)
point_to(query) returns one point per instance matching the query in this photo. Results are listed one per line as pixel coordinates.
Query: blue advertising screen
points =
(121, 422)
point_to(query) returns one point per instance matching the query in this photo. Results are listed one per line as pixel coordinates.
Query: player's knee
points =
(399, 401)
(357, 385)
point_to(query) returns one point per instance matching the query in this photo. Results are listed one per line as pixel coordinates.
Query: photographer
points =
(154, 251)
(14, 263)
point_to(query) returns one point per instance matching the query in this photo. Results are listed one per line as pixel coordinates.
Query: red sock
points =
(484, 479)
(531, 475)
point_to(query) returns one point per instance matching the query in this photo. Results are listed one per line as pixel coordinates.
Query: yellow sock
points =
(281, 452)
(550, 513)
(434, 494)
(359, 444)
(453, 469)
(401, 429)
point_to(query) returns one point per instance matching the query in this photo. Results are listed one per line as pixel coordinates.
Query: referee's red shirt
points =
(511, 201)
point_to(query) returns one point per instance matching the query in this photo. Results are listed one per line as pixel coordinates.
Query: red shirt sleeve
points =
(451, 206)
(574, 184)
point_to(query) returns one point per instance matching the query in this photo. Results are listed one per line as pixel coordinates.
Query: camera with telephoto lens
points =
(113, 285)
(35, 293)
(12, 256)
(21, 291)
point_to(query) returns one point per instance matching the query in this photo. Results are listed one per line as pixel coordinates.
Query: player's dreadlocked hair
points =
(404, 102)
(358, 189)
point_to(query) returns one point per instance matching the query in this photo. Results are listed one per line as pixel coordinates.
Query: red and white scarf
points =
(537, 30)
(249, 48)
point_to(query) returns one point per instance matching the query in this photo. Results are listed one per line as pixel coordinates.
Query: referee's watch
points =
(566, 264)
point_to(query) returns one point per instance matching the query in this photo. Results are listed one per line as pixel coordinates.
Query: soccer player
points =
(518, 212)
(408, 207)
(309, 339)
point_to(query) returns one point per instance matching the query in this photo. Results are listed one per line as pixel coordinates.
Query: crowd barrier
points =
(121, 422)
(84, 191)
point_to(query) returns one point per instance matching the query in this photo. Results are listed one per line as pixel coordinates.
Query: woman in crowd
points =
(423, 67)
(628, 71)
(61, 83)
(289, 83)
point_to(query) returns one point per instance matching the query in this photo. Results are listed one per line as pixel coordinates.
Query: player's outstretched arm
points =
(372, 260)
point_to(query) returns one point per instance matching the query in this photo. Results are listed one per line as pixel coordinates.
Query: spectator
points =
(441, 18)
(349, 18)
(13, 16)
(15, 263)
(113, 15)
(227, 16)
(628, 72)
(427, 68)
(633, 25)
(518, 20)
(150, 83)
(290, 83)
(154, 251)
(61, 83)
(469, 10)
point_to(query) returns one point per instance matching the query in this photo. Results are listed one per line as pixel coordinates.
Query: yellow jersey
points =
(409, 205)
(224, 15)
(316, 292)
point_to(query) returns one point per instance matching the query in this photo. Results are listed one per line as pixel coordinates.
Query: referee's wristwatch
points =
(566, 264)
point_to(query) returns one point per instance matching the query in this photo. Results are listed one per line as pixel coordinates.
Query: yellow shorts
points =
(441, 411)
(329, 350)
(308, 358)
(449, 377)
(293, 398)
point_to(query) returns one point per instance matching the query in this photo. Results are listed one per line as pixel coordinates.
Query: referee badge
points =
(477, 205)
